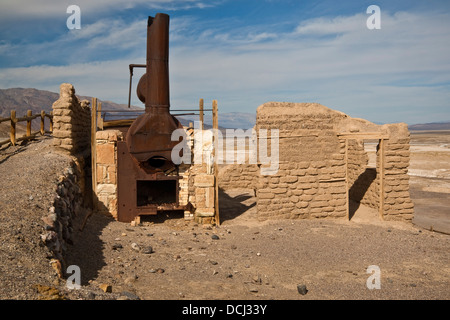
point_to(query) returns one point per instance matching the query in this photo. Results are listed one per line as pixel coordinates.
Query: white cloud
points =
(11, 9)
(398, 73)
(402, 68)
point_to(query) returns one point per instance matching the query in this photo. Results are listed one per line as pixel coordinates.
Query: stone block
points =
(106, 189)
(105, 153)
(204, 181)
(265, 195)
(204, 212)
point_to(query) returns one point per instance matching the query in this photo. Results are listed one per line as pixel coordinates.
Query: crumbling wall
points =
(397, 200)
(319, 159)
(71, 121)
(106, 170)
(67, 211)
(310, 182)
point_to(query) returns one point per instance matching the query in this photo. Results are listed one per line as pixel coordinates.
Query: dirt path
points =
(247, 259)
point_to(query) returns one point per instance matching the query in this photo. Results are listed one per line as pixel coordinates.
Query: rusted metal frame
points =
(132, 66)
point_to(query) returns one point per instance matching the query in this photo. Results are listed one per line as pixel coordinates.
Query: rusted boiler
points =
(148, 180)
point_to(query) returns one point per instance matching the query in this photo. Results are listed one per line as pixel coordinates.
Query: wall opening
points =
(365, 178)
(156, 192)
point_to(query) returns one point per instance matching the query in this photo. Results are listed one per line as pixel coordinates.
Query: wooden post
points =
(99, 117)
(216, 168)
(347, 198)
(381, 172)
(93, 152)
(13, 127)
(201, 114)
(51, 121)
(42, 122)
(29, 114)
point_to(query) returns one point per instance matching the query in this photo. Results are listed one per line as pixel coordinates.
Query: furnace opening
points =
(157, 162)
(156, 192)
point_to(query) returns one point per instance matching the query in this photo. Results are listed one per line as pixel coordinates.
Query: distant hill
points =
(431, 126)
(23, 99)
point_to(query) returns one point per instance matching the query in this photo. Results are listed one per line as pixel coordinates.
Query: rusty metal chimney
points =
(149, 137)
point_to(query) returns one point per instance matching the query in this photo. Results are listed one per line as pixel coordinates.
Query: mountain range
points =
(23, 99)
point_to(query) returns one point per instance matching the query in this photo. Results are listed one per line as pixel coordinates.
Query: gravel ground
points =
(29, 173)
(246, 259)
(168, 258)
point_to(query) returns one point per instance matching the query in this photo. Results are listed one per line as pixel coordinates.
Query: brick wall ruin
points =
(71, 121)
(323, 165)
(397, 203)
(310, 182)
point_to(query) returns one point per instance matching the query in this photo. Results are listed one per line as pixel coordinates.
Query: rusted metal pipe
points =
(150, 135)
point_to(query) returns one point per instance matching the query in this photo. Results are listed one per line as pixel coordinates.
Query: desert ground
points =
(167, 257)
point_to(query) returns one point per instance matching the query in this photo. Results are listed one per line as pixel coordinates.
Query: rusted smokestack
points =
(157, 89)
(149, 137)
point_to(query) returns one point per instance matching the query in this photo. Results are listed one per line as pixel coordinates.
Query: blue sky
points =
(242, 53)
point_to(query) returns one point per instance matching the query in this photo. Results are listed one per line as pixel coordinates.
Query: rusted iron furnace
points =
(148, 180)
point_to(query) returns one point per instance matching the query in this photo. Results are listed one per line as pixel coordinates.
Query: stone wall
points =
(106, 170)
(68, 210)
(71, 121)
(310, 182)
(238, 176)
(397, 200)
(314, 165)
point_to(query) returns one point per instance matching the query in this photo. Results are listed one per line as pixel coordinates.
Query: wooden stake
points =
(347, 198)
(42, 122)
(29, 114)
(51, 121)
(13, 127)
(99, 117)
(216, 168)
(93, 152)
(201, 113)
(381, 172)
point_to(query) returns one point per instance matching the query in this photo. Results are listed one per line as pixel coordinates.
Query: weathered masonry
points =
(323, 167)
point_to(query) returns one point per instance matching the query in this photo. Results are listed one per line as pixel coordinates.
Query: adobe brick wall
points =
(397, 203)
(310, 182)
(238, 176)
(71, 122)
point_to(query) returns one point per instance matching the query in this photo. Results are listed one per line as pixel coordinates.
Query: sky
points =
(242, 53)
